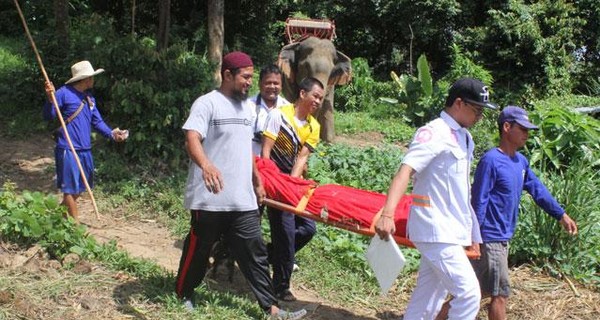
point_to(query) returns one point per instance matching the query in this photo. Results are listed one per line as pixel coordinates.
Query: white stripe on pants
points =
(444, 269)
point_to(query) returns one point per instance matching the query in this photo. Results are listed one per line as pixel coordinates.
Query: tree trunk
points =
(164, 21)
(216, 11)
(61, 17)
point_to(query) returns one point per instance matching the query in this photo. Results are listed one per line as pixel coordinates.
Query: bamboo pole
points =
(57, 109)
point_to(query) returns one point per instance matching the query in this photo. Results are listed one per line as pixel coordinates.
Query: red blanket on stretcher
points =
(333, 203)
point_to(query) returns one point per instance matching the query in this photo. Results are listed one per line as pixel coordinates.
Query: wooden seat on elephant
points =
(298, 29)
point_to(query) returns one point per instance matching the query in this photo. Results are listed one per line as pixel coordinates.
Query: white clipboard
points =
(386, 260)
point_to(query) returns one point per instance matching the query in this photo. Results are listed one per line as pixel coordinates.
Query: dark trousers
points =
(243, 235)
(289, 234)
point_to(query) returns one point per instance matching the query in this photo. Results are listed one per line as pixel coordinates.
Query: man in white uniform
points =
(439, 158)
(267, 99)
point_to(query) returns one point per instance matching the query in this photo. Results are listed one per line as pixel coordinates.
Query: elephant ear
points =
(287, 63)
(342, 71)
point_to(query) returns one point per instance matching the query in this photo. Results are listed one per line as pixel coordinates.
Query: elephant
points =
(317, 58)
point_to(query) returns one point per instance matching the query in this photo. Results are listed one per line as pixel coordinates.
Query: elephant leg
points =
(325, 117)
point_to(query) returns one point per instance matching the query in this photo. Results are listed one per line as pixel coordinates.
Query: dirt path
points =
(30, 165)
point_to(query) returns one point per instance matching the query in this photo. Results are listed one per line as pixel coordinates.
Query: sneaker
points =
(286, 295)
(295, 268)
(288, 315)
(188, 304)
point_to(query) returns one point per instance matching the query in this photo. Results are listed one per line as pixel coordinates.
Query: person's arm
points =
(301, 162)
(98, 123)
(547, 202)
(49, 111)
(267, 146)
(270, 133)
(385, 225)
(211, 175)
(259, 189)
(483, 183)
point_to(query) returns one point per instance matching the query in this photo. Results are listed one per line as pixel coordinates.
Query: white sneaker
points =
(295, 268)
(188, 305)
(288, 315)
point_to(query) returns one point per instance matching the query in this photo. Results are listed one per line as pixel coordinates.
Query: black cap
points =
(472, 91)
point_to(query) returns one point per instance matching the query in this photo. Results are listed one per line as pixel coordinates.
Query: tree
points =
(528, 46)
(61, 22)
(216, 11)
(164, 20)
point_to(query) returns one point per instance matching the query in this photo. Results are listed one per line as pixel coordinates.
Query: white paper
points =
(386, 260)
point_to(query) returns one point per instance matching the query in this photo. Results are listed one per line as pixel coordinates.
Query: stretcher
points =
(343, 207)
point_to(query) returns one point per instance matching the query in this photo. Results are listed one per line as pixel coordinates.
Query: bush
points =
(565, 136)
(35, 218)
(147, 92)
(363, 168)
(540, 239)
(363, 93)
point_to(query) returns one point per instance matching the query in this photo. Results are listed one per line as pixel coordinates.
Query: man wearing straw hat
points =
(78, 108)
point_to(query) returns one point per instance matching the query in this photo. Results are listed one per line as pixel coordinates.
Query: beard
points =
(240, 95)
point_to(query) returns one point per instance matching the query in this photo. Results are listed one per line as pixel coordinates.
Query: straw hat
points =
(82, 70)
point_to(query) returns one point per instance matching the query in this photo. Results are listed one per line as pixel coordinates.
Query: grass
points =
(393, 130)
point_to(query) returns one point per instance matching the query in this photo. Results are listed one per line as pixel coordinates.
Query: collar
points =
(450, 121)
(262, 104)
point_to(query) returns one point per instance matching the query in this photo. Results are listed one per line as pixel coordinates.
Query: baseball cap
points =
(518, 115)
(472, 91)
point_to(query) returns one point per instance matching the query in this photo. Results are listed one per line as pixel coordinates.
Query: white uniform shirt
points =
(441, 155)
(261, 111)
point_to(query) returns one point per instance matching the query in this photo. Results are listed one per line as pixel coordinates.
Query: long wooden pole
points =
(57, 109)
(364, 231)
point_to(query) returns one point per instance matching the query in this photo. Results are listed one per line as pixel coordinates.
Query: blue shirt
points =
(499, 183)
(80, 129)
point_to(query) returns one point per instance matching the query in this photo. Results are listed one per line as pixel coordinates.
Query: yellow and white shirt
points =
(290, 135)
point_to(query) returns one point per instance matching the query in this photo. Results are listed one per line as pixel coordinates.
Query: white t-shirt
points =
(226, 128)
(441, 154)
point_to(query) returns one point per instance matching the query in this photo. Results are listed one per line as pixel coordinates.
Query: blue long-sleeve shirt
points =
(80, 129)
(499, 182)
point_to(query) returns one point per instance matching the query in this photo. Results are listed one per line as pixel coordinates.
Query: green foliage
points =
(393, 130)
(540, 239)
(463, 66)
(19, 82)
(150, 191)
(363, 93)
(35, 218)
(147, 92)
(420, 100)
(368, 168)
(528, 46)
(564, 136)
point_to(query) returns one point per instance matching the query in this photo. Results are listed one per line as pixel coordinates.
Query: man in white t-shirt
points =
(223, 187)
(267, 99)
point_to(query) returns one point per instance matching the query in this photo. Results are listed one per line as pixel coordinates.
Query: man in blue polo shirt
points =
(78, 109)
(501, 176)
